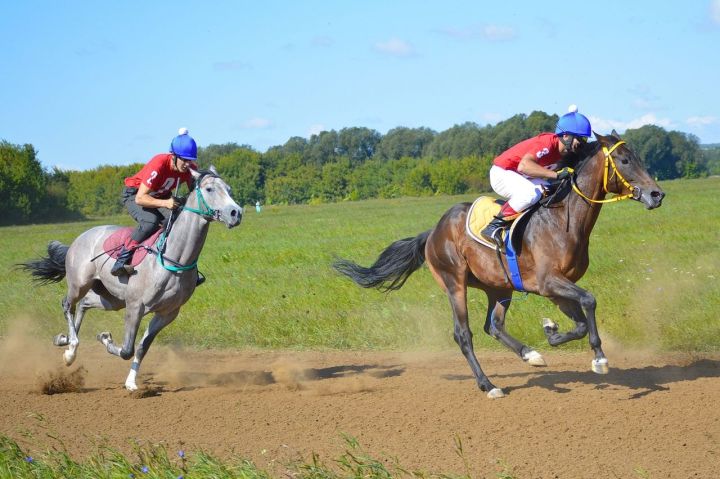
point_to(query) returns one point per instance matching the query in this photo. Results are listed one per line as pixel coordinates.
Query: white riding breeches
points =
(520, 191)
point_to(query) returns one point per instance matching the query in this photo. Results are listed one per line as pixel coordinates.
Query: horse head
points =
(213, 198)
(625, 173)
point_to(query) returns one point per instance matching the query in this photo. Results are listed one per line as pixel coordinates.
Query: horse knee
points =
(588, 302)
(581, 330)
(127, 353)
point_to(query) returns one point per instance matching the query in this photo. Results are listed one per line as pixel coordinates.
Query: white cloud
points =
(715, 11)
(497, 33)
(316, 129)
(493, 33)
(395, 47)
(257, 124)
(602, 125)
(701, 120)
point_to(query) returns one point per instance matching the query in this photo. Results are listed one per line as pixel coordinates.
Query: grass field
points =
(270, 285)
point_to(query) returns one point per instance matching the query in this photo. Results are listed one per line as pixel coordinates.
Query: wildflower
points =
(29, 459)
(145, 469)
(181, 454)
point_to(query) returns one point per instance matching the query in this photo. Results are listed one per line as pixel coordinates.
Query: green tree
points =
(242, 171)
(653, 145)
(404, 142)
(22, 183)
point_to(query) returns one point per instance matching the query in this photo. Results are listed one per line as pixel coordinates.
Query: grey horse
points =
(161, 284)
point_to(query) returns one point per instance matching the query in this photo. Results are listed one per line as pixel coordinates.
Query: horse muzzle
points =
(650, 198)
(231, 216)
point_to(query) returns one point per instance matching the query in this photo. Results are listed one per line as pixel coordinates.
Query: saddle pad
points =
(114, 243)
(480, 214)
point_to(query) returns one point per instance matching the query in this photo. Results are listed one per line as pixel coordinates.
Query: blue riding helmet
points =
(183, 146)
(573, 123)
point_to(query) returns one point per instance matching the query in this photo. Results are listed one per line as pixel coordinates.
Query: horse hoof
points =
(496, 393)
(600, 366)
(533, 358)
(68, 357)
(131, 386)
(61, 340)
(549, 324)
(104, 338)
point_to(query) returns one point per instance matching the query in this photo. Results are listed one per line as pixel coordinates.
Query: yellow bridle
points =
(609, 162)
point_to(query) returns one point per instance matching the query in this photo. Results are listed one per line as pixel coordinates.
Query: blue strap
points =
(512, 264)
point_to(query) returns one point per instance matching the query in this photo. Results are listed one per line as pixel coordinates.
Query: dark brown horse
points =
(552, 256)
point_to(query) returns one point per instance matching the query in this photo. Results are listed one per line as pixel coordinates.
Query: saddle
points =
(114, 243)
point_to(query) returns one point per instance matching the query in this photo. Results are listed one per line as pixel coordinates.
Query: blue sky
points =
(109, 83)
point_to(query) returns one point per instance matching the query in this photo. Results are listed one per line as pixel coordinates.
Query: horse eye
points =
(625, 161)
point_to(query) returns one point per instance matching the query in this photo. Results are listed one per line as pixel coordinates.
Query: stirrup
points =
(497, 237)
(124, 270)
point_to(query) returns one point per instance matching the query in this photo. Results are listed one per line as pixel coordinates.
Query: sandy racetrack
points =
(651, 416)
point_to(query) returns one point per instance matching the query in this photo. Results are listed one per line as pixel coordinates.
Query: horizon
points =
(111, 84)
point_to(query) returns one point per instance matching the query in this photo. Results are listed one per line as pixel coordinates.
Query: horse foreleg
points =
(579, 305)
(157, 323)
(498, 304)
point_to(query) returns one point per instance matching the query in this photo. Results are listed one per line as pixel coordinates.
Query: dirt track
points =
(650, 417)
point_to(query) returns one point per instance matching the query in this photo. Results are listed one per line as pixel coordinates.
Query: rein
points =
(610, 163)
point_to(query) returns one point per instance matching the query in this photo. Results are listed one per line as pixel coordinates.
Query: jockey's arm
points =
(529, 167)
(143, 198)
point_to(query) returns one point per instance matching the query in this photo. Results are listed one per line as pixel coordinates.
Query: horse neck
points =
(584, 213)
(188, 235)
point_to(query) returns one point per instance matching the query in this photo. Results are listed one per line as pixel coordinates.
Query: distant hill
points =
(710, 146)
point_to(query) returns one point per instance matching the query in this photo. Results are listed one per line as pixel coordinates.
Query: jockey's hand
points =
(564, 173)
(179, 201)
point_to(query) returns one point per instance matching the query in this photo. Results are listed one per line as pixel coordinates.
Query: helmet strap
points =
(567, 142)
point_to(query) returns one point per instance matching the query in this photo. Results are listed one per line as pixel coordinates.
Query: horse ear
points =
(598, 136)
(213, 170)
(615, 134)
(194, 174)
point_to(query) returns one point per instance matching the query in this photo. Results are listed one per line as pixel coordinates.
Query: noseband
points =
(204, 209)
(610, 164)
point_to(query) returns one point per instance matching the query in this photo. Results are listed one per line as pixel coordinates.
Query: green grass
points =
(155, 461)
(270, 285)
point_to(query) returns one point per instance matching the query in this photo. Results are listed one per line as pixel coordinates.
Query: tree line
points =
(351, 164)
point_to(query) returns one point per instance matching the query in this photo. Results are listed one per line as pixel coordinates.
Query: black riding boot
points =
(493, 231)
(120, 268)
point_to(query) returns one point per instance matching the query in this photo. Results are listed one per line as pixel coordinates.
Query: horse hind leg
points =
(498, 304)
(71, 340)
(457, 294)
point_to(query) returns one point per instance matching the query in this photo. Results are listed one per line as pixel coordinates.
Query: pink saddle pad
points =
(113, 244)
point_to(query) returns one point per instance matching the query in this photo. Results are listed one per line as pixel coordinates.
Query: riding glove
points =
(564, 173)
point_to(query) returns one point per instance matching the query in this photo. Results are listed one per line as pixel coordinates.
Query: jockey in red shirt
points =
(521, 173)
(148, 194)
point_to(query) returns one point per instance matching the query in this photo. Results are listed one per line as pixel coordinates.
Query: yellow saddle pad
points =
(481, 213)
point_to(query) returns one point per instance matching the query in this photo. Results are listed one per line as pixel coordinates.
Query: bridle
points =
(635, 191)
(205, 211)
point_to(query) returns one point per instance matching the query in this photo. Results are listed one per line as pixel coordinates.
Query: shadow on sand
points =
(643, 381)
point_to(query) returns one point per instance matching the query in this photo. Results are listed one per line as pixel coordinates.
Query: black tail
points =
(50, 269)
(392, 268)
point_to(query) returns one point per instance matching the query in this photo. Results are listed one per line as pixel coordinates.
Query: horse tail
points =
(392, 268)
(50, 269)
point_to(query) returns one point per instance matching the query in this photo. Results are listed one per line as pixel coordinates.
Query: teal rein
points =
(205, 211)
